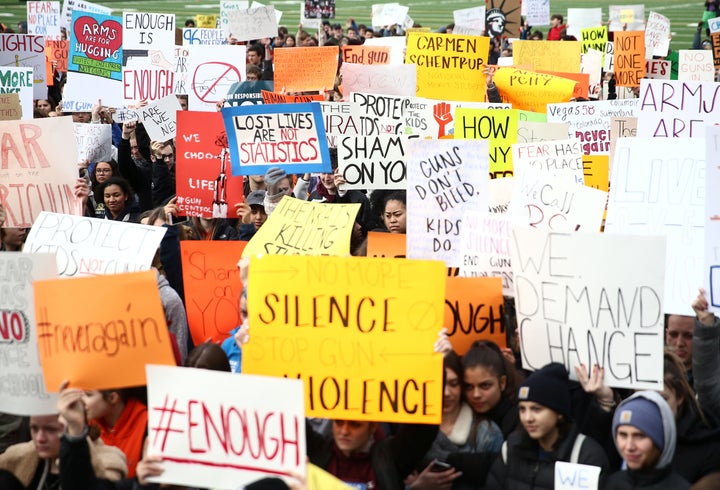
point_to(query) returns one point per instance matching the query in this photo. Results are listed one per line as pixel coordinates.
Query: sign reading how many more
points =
(291, 136)
(224, 436)
(586, 299)
(351, 336)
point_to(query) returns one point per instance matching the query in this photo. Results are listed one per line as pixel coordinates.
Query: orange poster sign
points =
(366, 55)
(99, 332)
(381, 244)
(474, 311)
(629, 58)
(276, 98)
(303, 69)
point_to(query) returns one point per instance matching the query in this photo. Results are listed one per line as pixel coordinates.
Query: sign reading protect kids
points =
(361, 338)
(290, 136)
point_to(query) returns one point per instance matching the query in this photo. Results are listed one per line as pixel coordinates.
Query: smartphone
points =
(438, 466)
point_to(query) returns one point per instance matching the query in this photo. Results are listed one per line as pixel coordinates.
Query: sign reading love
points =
(100, 40)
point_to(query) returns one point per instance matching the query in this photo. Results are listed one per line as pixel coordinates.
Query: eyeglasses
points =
(167, 158)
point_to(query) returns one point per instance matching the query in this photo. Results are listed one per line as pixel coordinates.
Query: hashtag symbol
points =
(165, 427)
(180, 199)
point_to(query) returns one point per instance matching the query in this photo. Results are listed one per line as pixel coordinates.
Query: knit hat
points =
(255, 198)
(644, 415)
(548, 387)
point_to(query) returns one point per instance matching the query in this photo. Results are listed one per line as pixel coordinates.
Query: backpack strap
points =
(577, 447)
(503, 451)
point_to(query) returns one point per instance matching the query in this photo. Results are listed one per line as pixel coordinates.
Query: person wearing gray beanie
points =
(547, 435)
(644, 431)
(278, 185)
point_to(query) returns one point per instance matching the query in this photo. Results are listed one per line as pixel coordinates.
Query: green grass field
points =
(683, 16)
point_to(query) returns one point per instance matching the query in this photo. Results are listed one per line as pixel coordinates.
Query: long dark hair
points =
(486, 354)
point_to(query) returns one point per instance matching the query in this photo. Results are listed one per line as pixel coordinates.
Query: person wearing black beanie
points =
(547, 435)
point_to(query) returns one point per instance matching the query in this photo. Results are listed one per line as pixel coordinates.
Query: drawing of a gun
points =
(133, 53)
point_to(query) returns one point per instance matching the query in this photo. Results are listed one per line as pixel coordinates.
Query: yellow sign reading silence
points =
(298, 227)
(532, 91)
(548, 55)
(449, 66)
(319, 479)
(358, 331)
(498, 126)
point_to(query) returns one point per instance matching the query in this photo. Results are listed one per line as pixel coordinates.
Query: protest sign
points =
(694, 64)
(591, 64)
(382, 244)
(657, 69)
(147, 56)
(212, 70)
(24, 50)
(573, 476)
(378, 79)
(555, 203)
(269, 97)
(252, 23)
(485, 248)
(468, 31)
(86, 246)
(343, 118)
(579, 19)
(445, 177)
(379, 114)
(290, 136)
(676, 108)
(319, 479)
(227, 6)
(206, 21)
(532, 91)
(657, 188)
(430, 118)
(38, 169)
(590, 121)
(305, 228)
(396, 45)
(22, 388)
(712, 217)
(387, 14)
(548, 55)
(594, 38)
(361, 321)
(18, 80)
(43, 19)
(159, 118)
(474, 310)
(657, 35)
(537, 12)
(366, 55)
(181, 84)
(626, 18)
(532, 132)
(629, 67)
(498, 127)
(714, 25)
(620, 127)
(596, 171)
(70, 5)
(98, 345)
(251, 93)
(715, 39)
(203, 36)
(372, 162)
(94, 142)
(57, 52)
(95, 62)
(10, 109)
(318, 9)
(561, 158)
(305, 69)
(230, 439)
(449, 66)
(608, 57)
(591, 298)
(212, 285)
(204, 184)
(473, 17)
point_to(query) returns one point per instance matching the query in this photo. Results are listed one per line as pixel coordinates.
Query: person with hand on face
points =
(645, 437)
(547, 435)
(278, 185)
(252, 215)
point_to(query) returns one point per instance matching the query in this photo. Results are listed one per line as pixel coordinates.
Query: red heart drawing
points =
(101, 41)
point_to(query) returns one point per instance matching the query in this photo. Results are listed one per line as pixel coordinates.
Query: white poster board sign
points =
(573, 476)
(212, 70)
(22, 390)
(379, 79)
(485, 247)
(582, 18)
(94, 142)
(160, 118)
(712, 217)
(657, 188)
(18, 79)
(445, 178)
(626, 17)
(657, 35)
(696, 64)
(561, 158)
(373, 162)
(252, 23)
(537, 12)
(43, 19)
(591, 298)
(473, 17)
(86, 246)
(259, 436)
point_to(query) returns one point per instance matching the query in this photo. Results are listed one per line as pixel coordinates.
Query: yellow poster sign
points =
(596, 171)
(548, 55)
(594, 38)
(206, 21)
(298, 227)
(449, 66)
(532, 91)
(358, 331)
(498, 126)
(319, 479)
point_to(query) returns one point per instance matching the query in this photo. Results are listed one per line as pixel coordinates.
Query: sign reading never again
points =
(361, 338)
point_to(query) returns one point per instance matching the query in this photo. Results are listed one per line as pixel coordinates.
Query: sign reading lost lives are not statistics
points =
(361, 339)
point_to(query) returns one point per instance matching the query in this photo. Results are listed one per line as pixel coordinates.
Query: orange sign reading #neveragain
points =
(99, 332)
(474, 310)
(382, 244)
(212, 287)
(304, 69)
